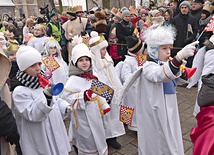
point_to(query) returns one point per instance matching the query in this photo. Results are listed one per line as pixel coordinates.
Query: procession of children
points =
(123, 76)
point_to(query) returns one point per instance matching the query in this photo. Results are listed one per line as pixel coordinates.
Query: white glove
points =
(187, 51)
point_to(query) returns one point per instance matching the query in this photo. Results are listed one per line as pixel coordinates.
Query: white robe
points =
(204, 63)
(41, 127)
(159, 130)
(38, 43)
(130, 65)
(113, 126)
(89, 136)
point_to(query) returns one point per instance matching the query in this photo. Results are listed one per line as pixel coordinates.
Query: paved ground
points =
(186, 101)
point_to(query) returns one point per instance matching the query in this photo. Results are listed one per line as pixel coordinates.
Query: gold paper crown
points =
(41, 26)
(13, 46)
(78, 8)
(208, 8)
(71, 9)
(64, 14)
(139, 7)
(119, 14)
(133, 10)
(114, 10)
(102, 38)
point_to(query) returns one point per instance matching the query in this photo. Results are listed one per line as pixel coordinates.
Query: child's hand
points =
(88, 95)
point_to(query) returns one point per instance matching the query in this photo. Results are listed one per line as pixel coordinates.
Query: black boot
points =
(75, 149)
(113, 143)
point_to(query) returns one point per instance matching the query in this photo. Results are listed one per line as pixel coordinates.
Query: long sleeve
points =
(31, 104)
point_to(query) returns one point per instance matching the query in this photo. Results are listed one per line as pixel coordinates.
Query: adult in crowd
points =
(174, 6)
(186, 26)
(8, 130)
(28, 28)
(204, 20)
(19, 33)
(196, 9)
(54, 28)
(74, 26)
(124, 29)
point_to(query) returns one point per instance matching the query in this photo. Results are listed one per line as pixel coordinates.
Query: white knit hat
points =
(26, 56)
(78, 51)
(155, 36)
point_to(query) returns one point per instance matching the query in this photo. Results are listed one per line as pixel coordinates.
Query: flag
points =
(210, 25)
(102, 89)
(51, 63)
(190, 28)
(126, 114)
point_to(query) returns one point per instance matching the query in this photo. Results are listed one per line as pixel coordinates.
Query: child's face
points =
(83, 63)
(38, 32)
(52, 50)
(34, 69)
(103, 52)
(12, 56)
(164, 52)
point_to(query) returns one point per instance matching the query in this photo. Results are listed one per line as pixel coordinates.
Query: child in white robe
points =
(104, 68)
(59, 72)
(38, 117)
(158, 122)
(86, 131)
(130, 65)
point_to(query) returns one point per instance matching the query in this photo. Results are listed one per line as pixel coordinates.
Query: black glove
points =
(14, 138)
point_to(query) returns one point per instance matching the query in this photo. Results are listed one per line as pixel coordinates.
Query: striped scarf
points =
(27, 80)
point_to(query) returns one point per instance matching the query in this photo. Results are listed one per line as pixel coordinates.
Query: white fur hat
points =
(158, 35)
(97, 42)
(78, 51)
(26, 56)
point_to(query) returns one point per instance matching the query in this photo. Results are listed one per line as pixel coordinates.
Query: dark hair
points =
(207, 13)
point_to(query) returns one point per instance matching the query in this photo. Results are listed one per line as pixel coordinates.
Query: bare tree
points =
(54, 8)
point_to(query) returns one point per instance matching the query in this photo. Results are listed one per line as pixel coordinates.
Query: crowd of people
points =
(105, 69)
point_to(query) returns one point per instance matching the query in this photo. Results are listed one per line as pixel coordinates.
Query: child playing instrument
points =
(38, 117)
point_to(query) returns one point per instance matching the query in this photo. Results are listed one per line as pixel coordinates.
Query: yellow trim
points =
(96, 99)
(135, 46)
(99, 41)
(165, 72)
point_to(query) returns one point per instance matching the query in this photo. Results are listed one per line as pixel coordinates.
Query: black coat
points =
(183, 36)
(123, 30)
(7, 121)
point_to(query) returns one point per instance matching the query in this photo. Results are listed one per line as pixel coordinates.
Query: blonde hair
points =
(29, 21)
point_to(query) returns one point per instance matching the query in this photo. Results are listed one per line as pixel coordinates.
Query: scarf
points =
(73, 70)
(204, 21)
(27, 80)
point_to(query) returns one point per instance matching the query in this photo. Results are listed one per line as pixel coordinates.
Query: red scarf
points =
(88, 76)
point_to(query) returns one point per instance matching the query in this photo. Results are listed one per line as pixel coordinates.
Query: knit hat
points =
(12, 47)
(125, 13)
(26, 56)
(124, 8)
(156, 36)
(134, 44)
(185, 3)
(154, 12)
(78, 51)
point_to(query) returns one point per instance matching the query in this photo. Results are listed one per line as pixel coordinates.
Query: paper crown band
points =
(135, 46)
(99, 41)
